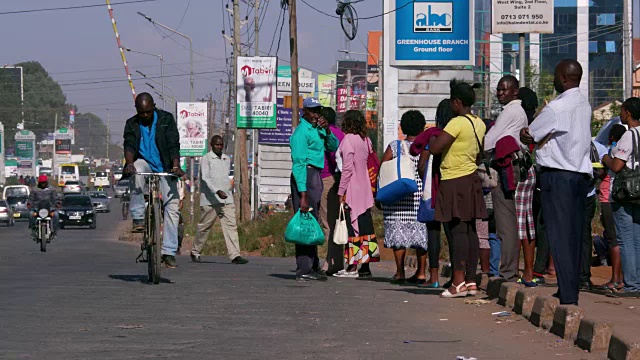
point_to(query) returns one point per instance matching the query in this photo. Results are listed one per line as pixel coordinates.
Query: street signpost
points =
(25, 146)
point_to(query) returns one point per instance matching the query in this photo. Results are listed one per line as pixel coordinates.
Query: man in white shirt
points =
(509, 123)
(216, 201)
(562, 132)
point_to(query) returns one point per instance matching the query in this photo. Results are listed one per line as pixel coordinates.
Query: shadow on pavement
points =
(418, 291)
(284, 276)
(137, 278)
(375, 279)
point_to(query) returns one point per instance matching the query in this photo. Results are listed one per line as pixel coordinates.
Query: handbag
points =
(397, 179)
(373, 167)
(626, 184)
(340, 231)
(303, 229)
(426, 213)
(481, 158)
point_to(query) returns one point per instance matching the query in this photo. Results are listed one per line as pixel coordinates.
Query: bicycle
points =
(153, 219)
(125, 209)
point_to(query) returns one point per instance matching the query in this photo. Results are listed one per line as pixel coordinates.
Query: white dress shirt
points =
(567, 121)
(510, 122)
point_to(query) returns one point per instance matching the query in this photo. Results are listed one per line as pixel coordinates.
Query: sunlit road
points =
(86, 298)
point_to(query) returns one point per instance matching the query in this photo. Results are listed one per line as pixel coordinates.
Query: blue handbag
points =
(425, 212)
(396, 179)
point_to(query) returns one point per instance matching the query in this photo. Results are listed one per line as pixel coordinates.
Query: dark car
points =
(19, 206)
(77, 210)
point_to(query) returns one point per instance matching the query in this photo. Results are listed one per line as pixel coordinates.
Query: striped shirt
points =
(567, 123)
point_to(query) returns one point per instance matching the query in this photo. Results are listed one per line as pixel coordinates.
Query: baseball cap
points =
(42, 178)
(311, 102)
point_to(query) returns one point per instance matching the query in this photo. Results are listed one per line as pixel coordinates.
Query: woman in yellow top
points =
(460, 201)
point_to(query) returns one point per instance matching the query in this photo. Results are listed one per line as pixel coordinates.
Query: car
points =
(77, 210)
(6, 213)
(121, 187)
(72, 187)
(15, 190)
(100, 201)
(18, 205)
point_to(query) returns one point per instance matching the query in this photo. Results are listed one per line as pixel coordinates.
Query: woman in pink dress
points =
(355, 191)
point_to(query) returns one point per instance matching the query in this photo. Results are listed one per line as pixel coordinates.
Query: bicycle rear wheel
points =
(155, 243)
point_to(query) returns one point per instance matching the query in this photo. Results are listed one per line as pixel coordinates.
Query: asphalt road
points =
(86, 298)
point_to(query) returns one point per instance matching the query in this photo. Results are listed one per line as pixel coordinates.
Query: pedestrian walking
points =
(508, 125)
(562, 133)
(216, 201)
(460, 200)
(308, 143)
(329, 202)
(362, 248)
(402, 230)
(627, 213)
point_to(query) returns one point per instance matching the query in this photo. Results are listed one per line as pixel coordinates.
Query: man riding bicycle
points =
(43, 197)
(152, 144)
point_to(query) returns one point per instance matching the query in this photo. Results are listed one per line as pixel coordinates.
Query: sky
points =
(79, 50)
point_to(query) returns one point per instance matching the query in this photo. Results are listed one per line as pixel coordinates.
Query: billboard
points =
(281, 134)
(256, 92)
(326, 89)
(431, 33)
(25, 152)
(192, 126)
(357, 84)
(513, 17)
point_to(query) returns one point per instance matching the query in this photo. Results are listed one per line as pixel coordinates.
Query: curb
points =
(566, 321)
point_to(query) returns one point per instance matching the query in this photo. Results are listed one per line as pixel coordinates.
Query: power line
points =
(72, 7)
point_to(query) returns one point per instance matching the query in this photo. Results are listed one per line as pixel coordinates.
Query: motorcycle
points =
(43, 228)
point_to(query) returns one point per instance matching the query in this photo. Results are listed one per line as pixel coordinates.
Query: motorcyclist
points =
(43, 197)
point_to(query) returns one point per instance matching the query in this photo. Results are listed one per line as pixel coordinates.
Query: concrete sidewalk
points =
(599, 324)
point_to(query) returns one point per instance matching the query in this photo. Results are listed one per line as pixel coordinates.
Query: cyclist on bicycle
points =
(152, 144)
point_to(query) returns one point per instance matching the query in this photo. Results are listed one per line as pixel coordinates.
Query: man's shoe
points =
(311, 276)
(322, 274)
(138, 225)
(586, 286)
(169, 261)
(238, 260)
(196, 258)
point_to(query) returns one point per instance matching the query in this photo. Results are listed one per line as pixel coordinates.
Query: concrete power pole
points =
(293, 41)
(108, 133)
(254, 133)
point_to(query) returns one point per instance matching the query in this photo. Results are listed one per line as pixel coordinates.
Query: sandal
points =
(430, 285)
(608, 286)
(472, 292)
(448, 294)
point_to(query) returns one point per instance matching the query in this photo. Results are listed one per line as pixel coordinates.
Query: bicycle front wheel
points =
(155, 243)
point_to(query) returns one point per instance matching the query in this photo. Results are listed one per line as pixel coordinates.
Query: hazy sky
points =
(79, 46)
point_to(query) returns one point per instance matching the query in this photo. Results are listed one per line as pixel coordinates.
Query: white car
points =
(72, 187)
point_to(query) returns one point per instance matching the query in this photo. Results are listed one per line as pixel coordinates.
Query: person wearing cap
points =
(43, 197)
(311, 138)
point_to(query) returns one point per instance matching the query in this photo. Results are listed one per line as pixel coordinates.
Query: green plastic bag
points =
(303, 229)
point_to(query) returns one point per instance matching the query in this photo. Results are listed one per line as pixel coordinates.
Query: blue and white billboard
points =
(431, 32)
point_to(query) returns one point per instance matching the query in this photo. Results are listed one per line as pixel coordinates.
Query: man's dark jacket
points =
(167, 138)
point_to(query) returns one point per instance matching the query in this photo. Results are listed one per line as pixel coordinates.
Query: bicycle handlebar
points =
(155, 174)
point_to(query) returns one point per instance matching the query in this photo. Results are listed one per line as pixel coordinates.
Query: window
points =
(605, 19)
(563, 47)
(610, 46)
(515, 47)
(563, 19)
(593, 47)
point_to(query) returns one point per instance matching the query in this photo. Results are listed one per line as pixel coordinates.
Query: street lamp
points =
(159, 56)
(190, 47)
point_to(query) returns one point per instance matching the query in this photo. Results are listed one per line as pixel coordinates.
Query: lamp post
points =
(191, 98)
(159, 56)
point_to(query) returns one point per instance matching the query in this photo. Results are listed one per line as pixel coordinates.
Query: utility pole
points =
(108, 132)
(523, 60)
(379, 103)
(487, 95)
(254, 146)
(627, 53)
(240, 154)
(293, 48)
(53, 149)
(348, 88)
